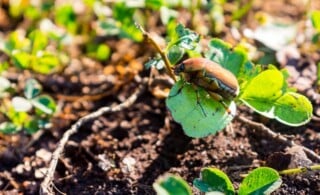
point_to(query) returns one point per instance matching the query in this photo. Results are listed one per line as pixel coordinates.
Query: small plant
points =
(262, 88)
(30, 52)
(262, 180)
(30, 112)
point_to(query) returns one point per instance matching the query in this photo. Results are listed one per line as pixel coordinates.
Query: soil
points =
(125, 152)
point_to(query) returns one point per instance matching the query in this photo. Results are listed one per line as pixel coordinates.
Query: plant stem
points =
(164, 57)
(299, 170)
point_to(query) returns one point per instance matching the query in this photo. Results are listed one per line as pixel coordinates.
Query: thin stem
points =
(164, 57)
(299, 170)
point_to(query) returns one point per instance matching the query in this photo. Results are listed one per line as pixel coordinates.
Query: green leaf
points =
(21, 59)
(232, 59)
(276, 100)
(65, 16)
(175, 54)
(154, 4)
(315, 18)
(21, 104)
(212, 180)
(32, 88)
(198, 113)
(103, 52)
(172, 185)
(45, 62)
(16, 41)
(45, 104)
(262, 180)
(31, 126)
(293, 109)
(125, 22)
(186, 38)
(17, 118)
(9, 128)
(38, 41)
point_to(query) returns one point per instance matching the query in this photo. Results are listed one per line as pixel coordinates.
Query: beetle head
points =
(179, 68)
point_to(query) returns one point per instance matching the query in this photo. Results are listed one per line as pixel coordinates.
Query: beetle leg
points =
(199, 103)
(219, 98)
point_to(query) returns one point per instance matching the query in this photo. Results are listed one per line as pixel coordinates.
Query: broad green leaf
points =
(21, 104)
(44, 103)
(65, 16)
(154, 4)
(213, 180)
(32, 88)
(9, 128)
(45, 62)
(269, 95)
(198, 113)
(38, 41)
(16, 41)
(262, 91)
(175, 54)
(103, 52)
(232, 59)
(17, 118)
(262, 180)
(293, 109)
(172, 185)
(31, 126)
(21, 59)
(125, 22)
(315, 18)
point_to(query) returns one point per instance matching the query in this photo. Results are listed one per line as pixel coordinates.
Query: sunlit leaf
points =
(21, 104)
(198, 113)
(172, 185)
(293, 109)
(263, 180)
(65, 16)
(9, 128)
(315, 18)
(233, 59)
(45, 62)
(32, 88)
(267, 94)
(38, 41)
(103, 52)
(21, 59)
(214, 180)
(44, 103)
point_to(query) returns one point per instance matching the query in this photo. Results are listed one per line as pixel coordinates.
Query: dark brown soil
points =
(125, 152)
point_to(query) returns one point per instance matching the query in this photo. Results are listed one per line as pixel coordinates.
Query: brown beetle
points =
(219, 82)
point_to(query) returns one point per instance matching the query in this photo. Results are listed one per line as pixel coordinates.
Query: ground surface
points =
(126, 151)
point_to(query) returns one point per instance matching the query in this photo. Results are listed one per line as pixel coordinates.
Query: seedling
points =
(262, 180)
(31, 112)
(231, 78)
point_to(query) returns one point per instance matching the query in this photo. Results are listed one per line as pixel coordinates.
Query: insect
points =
(219, 82)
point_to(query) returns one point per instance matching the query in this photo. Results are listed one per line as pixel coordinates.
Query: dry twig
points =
(265, 130)
(47, 184)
